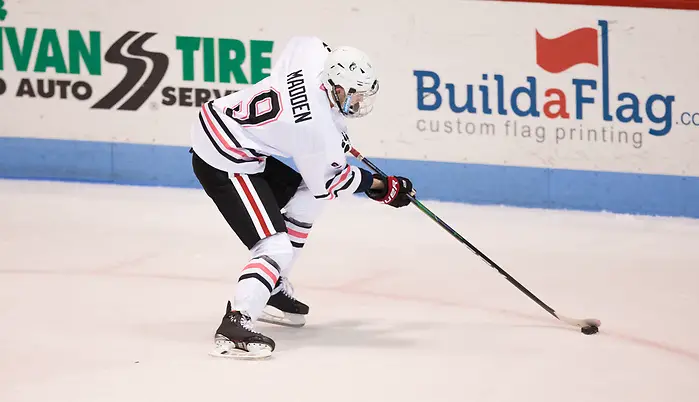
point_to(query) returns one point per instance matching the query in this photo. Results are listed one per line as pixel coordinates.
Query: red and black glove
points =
(394, 193)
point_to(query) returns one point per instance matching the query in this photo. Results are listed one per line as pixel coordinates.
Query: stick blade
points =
(587, 322)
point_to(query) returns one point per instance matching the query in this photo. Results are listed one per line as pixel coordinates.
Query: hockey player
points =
(297, 112)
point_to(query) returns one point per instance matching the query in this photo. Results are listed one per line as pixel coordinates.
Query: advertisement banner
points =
(579, 93)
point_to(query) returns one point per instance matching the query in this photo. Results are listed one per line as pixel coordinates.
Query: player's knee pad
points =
(277, 247)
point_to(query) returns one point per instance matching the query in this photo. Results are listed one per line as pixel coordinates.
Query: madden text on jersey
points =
(298, 97)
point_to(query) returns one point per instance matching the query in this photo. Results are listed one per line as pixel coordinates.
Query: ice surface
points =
(112, 293)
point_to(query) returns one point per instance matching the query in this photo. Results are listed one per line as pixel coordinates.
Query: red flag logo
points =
(559, 54)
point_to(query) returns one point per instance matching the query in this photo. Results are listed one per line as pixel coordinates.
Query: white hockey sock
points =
(298, 234)
(298, 231)
(259, 277)
(255, 284)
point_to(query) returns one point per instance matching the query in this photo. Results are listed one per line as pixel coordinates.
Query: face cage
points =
(359, 104)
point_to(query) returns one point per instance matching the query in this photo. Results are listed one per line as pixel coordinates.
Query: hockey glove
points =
(394, 193)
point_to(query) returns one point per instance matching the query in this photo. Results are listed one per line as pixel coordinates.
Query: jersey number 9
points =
(263, 108)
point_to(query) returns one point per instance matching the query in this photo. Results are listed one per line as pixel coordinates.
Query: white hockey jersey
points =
(288, 115)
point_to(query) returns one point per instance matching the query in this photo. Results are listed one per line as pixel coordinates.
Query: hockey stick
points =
(589, 325)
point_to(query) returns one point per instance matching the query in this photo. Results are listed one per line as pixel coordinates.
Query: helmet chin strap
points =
(337, 101)
(345, 106)
(334, 92)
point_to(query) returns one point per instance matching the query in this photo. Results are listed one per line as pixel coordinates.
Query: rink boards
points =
(593, 108)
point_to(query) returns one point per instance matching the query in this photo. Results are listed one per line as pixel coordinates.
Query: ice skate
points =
(283, 309)
(235, 338)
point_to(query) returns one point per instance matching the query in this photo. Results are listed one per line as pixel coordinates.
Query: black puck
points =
(589, 330)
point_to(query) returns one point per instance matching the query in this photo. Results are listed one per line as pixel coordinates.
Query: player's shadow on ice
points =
(348, 333)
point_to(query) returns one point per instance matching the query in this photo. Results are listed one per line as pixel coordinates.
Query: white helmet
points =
(352, 70)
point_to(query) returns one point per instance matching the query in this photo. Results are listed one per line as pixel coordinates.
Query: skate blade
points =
(281, 318)
(227, 349)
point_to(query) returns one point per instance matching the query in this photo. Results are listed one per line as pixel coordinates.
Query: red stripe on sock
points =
(264, 269)
(296, 234)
